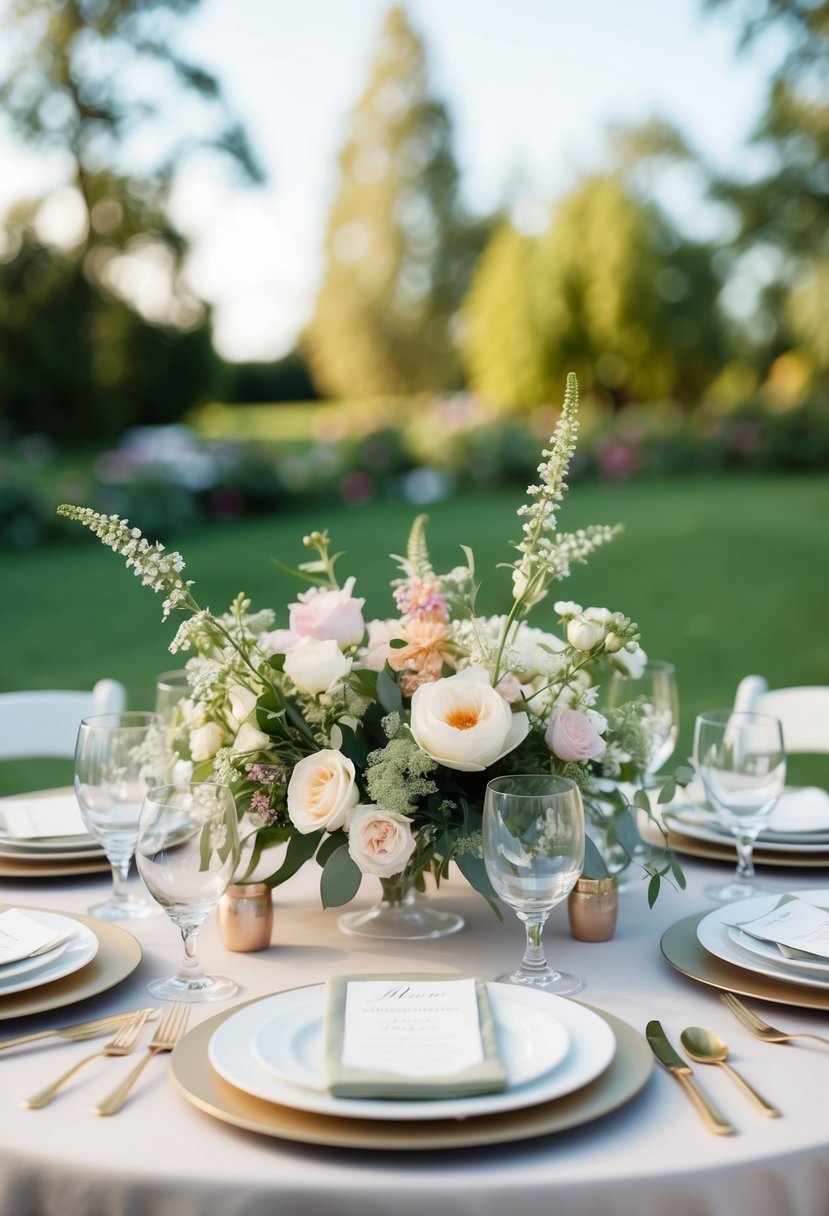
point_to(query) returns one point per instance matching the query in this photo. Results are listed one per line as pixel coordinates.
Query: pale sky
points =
(531, 86)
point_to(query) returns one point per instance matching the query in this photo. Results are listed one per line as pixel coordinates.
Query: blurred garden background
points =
(264, 271)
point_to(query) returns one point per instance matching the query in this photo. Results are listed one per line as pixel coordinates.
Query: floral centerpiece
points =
(367, 743)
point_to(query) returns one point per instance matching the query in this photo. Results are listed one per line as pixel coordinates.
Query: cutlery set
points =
(128, 1028)
(705, 1047)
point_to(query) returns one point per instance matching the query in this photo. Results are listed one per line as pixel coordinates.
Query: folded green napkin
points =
(409, 1037)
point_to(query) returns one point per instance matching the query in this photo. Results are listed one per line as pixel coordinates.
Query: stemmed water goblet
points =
(741, 761)
(533, 842)
(117, 758)
(187, 852)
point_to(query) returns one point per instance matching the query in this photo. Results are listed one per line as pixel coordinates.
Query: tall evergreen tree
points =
(399, 253)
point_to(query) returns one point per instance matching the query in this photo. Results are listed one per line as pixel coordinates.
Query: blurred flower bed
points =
(242, 461)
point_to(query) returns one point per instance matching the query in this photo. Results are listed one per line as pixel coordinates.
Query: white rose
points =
(206, 740)
(315, 665)
(463, 723)
(588, 629)
(242, 702)
(250, 739)
(380, 842)
(321, 791)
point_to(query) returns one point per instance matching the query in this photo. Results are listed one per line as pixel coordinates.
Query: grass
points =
(724, 576)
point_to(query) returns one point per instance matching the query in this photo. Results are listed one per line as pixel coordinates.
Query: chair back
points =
(44, 723)
(804, 712)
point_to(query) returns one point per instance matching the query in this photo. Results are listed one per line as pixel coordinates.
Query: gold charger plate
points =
(763, 855)
(118, 956)
(196, 1080)
(682, 949)
(13, 867)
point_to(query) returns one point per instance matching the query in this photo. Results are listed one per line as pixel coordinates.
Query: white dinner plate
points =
(81, 949)
(21, 965)
(592, 1047)
(692, 809)
(692, 821)
(713, 933)
(70, 848)
(769, 951)
(292, 1044)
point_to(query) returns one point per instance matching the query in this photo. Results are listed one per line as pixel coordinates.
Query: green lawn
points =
(724, 576)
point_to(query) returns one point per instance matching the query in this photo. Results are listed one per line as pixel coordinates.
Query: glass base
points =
(559, 983)
(200, 988)
(124, 909)
(409, 921)
(731, 892)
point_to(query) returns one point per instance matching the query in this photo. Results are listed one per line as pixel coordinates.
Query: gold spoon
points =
(708, 1048)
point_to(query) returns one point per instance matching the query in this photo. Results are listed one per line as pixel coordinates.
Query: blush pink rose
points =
(329, 615)
(572, 736)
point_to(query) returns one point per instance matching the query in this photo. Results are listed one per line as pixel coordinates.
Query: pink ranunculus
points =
(377, 648)
(571, 735)
(329, 615)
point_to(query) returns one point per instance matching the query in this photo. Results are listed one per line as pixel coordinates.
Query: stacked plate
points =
(566, 1063)
(797, 833)
(34, 851)
(79, 947)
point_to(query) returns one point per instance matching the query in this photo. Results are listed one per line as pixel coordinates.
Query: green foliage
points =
(398, 253)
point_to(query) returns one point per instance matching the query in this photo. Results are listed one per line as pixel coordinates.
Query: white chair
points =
(45, 723)
(804, 712)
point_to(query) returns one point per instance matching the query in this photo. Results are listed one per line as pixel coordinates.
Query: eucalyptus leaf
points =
(388, 692)
(684, 774)
(594, 863)
(668, 792)
(641, 799)
(341, 878)
(301, 848)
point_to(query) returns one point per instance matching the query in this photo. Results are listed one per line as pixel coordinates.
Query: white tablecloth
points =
(161, 1156)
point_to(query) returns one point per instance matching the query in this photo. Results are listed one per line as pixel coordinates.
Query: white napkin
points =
(22, 936)
(799, 810)
(797, 928)
(30, 818)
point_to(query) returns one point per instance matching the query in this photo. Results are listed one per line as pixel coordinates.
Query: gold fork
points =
(168, 1032)
(761, 1029)
(121, 1045)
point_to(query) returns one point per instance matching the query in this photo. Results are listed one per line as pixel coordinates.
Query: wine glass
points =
(654, 692)
(187, 852)
(741, 761)
(533, 836)
(117, 758)
(170, 688)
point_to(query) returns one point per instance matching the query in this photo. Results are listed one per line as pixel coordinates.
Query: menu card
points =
(795, 926)
(55, 815)
(410, 1036)
(22, 936)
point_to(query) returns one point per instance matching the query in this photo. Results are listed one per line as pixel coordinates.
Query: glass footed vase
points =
(403, 913)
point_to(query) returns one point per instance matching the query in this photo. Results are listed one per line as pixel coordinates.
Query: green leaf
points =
(677, 871)
(205, 848)
(684, 774)
(594, 863)
(388, 692)
(653, 890)
(364, 681)
(332, 842)
(301, 575)
(641, 799)
(668, 791)
(474, 871)
(301, 848)
(340, 880)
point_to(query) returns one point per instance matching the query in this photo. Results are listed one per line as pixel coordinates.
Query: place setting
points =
(43, 835)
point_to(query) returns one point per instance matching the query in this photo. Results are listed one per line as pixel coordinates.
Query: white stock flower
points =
(464, 723)
(380, 842)
(321, 792)
(315, 666)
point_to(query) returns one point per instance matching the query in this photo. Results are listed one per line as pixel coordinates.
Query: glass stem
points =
(191, 968)
(534, 959)
(120, 872)
(745, 861)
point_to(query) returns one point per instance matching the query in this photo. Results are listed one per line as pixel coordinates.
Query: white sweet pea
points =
(315, 666)
(380, 842)
(464, 723)
(322, 791)
(250, 739)
(206, 740)
(590, 627)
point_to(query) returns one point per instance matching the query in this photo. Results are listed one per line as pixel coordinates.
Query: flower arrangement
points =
(368, 743)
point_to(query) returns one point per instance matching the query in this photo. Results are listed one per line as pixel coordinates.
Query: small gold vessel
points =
(593, 906)
(245, 916)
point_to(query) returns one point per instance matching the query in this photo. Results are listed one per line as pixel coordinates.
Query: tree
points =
(784, 212)
(89, 77)
(610, 291)
(399, 253)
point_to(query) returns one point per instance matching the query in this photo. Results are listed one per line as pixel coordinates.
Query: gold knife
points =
(77, 1032)
(714, 1119)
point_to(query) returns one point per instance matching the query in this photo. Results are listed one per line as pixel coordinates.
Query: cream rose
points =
(206, 740)
(326, 614)
(572, 736)
(250, 739)
(315, 666)
(589, 628)
(464, 723)
(321, 791)
(380, 842)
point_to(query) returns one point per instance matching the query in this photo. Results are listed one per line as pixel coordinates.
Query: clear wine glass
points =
(533, 836)
(654, 692)
(117, 758)
(187, 852)
(170, 688)
(741, 761)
